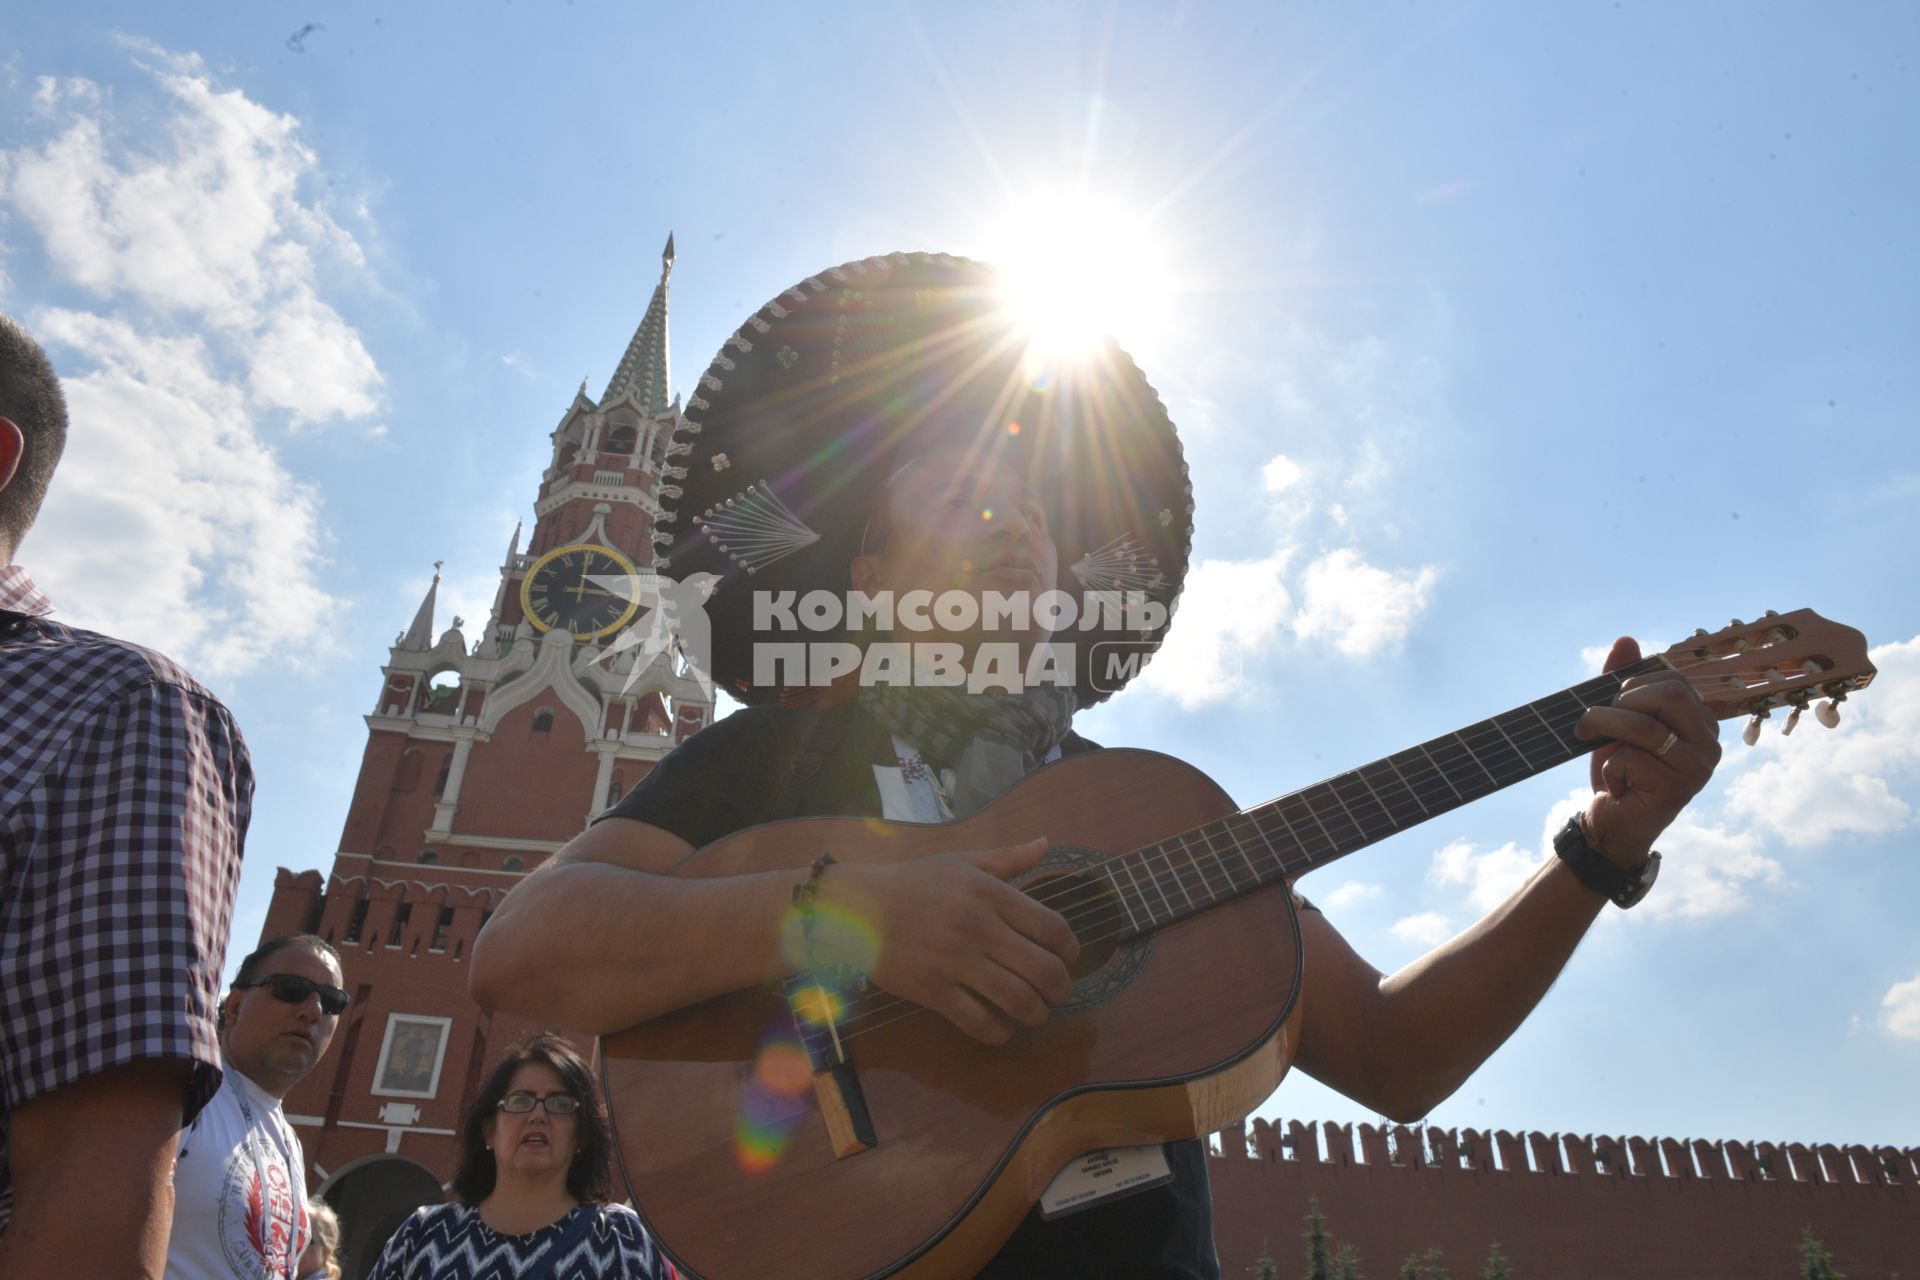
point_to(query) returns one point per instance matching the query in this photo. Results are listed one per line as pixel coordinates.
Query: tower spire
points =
(420, 634)
(643, 369)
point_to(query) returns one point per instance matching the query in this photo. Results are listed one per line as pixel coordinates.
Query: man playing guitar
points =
(910, 459)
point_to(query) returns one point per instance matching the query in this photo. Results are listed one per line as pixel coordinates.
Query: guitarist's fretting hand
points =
(955, 937)
(1639, 789)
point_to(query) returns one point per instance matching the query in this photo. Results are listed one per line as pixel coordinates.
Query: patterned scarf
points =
(989, 740)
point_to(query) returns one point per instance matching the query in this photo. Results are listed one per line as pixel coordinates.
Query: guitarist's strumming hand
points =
(955, 937)
(1662, 747)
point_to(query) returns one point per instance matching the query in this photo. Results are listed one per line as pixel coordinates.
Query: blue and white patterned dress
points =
(452, 1242)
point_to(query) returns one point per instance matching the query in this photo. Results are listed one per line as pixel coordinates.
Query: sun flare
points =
(1080, 268)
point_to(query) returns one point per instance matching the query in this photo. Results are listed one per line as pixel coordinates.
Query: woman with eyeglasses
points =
(533, 1186)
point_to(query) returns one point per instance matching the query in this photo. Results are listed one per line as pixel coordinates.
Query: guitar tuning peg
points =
(1699, 632)
(1736, 623)
(1773, 674)
(1828, 713)
(1810, 668)
(1793, 718)
(1751, 734)
(1772, 613)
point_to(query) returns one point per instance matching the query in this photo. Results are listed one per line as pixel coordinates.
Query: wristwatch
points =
(1624, 888)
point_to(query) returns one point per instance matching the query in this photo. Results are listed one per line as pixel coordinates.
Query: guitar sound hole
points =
(1089, 904)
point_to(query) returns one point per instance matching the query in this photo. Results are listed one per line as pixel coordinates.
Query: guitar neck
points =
(1164, 883)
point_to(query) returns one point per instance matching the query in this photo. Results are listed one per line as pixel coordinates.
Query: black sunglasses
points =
(294, 989)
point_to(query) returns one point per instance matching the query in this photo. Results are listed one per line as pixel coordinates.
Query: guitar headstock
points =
(1779, 660)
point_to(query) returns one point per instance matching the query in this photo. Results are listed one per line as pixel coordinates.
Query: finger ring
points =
(1667, 746)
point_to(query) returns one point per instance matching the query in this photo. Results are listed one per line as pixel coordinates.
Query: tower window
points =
(513, 862)
(440, 928)
(429, 856)
(443, 691)
(440, 779)
(400, 918)
(620, 439)
(542, 723)
(355, 922)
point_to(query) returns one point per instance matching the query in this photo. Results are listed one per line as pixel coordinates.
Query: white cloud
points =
(1489, 877)
(169, 522)
(310, 363)
(1231, 612)
(200, 216)
(1351, 893)
(1900, 1009)
(50, 92)
(1816, 786)
(1355, 411)
(181, 206)
(1708, 866)
(1708, 869)
(1360, 608)
(1281, 473)
(1235, 613)
(1427, 928)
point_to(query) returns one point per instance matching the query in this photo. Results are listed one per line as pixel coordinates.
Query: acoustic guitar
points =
(831, 1131)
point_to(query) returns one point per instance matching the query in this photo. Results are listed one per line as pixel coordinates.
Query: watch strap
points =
(1590, 868)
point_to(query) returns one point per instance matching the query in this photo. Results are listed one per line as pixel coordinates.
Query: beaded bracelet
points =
(805, 892)
(845, 976)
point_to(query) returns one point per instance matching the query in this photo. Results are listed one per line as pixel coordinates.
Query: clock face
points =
(560, 591)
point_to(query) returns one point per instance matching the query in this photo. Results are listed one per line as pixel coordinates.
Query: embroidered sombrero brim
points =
(790, 438)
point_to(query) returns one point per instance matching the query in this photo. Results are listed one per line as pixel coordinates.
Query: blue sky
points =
(1493, 332)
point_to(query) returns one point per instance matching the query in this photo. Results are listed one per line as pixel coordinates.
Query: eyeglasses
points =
(294, 989)
(558, 1104)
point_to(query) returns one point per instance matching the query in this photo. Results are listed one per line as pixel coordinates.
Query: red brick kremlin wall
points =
(1566, 1207)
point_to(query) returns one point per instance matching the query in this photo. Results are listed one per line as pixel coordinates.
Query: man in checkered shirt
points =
(125, 791)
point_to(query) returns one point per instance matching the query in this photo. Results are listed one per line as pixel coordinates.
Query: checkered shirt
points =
(125, 791)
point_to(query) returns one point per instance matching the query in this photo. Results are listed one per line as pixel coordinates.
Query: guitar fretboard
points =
(1167, 882)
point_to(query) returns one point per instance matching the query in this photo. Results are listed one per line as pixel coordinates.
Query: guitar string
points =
(1278, 860)
(1423, 776)
(1267, 851)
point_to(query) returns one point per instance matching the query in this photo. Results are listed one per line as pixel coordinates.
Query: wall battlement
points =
(1578, 1155)
(1570, 1206)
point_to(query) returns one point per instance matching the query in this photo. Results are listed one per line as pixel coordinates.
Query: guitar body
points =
(1172, 1036)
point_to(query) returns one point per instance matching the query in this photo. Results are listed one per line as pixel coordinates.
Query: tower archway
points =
(373, 1196)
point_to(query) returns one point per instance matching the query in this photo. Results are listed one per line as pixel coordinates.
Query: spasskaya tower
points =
(484, 755)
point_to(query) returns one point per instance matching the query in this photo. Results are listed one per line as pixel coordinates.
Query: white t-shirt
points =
(239, 1190)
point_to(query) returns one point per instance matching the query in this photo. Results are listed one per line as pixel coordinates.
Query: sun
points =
(1080, 267)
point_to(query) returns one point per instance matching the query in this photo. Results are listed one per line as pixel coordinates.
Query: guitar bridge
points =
(843, 1106)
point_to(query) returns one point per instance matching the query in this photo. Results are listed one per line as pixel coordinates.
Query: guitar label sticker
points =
(1100, 1176)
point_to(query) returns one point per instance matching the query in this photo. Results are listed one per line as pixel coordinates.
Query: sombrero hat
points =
(812, 405)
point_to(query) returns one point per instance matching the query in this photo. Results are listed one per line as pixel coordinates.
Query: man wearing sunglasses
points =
(240, 1198)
